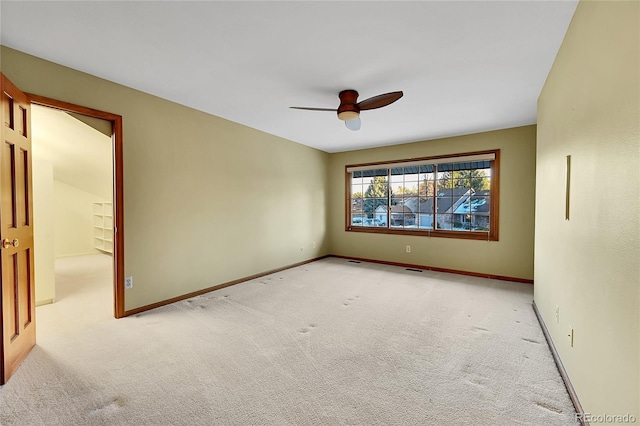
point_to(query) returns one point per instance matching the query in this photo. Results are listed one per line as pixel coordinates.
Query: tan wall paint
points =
(73, 220)
(44, 257)
(588, 266)
(206, 200)
(182, 235)
(511, 256)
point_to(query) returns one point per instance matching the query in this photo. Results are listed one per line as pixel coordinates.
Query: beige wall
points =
(511, 256)
(73, 220)
(588, 266)
(43, 234)
(206, 200)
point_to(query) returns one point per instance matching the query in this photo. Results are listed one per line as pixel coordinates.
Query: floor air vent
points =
(354, 261)
(414, 270)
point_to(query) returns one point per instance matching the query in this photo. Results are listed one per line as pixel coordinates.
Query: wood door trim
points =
(118, 187)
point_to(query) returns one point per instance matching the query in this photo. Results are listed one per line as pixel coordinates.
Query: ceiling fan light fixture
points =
(353, 124)
(349, 109)
(348, 115)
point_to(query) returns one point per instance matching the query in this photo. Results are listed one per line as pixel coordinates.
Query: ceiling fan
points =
(349, 109)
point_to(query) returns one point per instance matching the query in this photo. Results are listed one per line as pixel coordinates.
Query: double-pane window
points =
(454, 196)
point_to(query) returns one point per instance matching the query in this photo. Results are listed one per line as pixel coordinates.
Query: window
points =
(454, 196)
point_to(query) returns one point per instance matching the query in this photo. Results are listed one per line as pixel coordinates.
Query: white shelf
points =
(103, 227)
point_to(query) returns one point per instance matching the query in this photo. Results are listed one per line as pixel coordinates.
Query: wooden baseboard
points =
(437, 269)
(215, 287)
(563, 373)
(273, 271)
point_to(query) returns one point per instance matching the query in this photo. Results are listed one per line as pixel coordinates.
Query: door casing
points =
(118, 188)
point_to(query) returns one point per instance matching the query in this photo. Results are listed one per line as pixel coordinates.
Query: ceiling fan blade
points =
(379, 101)
(315, 109)
(353, 124)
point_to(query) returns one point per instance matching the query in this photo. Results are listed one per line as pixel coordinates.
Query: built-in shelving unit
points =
(103, 227)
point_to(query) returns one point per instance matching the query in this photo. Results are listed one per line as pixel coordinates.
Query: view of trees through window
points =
(429, 197)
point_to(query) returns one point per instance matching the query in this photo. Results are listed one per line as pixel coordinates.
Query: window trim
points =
(494, 217)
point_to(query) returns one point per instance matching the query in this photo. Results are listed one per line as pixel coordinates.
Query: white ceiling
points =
(464, 67)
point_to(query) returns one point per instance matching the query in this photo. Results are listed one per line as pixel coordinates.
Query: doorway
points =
(102, 201)
(72, 177)
(17, 225)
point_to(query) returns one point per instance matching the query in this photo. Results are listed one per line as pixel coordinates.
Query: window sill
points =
(461, 235)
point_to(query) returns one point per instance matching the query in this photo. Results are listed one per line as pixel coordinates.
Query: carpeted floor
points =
(328, 343)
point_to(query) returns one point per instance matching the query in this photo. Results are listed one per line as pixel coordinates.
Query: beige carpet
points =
(328, 343)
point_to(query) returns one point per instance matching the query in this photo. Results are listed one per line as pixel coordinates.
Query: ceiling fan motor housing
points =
(348, 110)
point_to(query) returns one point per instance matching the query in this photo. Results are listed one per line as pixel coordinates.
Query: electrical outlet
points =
(408, 249)
(570, 336)
(128, 282)
(313, 244)
(557, 314)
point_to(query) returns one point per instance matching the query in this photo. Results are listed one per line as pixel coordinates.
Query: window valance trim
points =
(489, 156)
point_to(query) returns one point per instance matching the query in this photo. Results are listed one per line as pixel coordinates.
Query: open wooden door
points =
(16, 231)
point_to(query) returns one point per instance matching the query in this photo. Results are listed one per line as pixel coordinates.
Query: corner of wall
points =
(586, 268)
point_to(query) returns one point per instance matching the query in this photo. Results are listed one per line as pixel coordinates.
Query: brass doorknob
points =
(6, 243)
